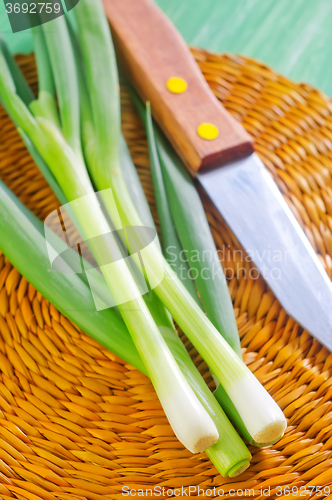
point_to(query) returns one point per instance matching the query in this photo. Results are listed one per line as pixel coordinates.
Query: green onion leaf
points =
(190, 421)
(64, 71)
(23, 242)
(171, 244)
(45, 104)
(260, 414)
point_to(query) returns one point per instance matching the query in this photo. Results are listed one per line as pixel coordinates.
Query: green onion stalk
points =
(23, 242)
(169, 235)
(229, 455)
(179, 196)
(45, 105)
(28, 98)
(188, 215)
(58, 45)
(22, 87)
(70, 293)
(223, 447)
(261, 416)
(190, 421)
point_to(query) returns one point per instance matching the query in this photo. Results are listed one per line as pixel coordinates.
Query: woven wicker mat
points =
(76, 422)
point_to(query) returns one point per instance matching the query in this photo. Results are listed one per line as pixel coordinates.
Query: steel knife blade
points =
(252, 205)
(153, 54)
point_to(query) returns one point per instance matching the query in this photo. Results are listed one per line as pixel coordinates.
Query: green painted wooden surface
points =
(293, 36)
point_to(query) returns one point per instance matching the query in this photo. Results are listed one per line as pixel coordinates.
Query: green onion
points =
(22, 87)
(19, 226)
(174, 392)
(64, 71)
(187, 210)
(190, 422)
(229, 448)
(23, 242)
(260, 414)
(229, 454)
(45, 105)
(24, 92)
(192, 225)
(47, 174)
(171, 243)
(195, 235)
(134, 185)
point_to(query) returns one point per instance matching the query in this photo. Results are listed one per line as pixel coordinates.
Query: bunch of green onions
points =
(74, 129)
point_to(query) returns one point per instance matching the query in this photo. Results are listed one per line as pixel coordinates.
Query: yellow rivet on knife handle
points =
(207, 131)
(176, 85)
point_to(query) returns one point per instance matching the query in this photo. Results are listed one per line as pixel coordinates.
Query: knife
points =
(219, 152)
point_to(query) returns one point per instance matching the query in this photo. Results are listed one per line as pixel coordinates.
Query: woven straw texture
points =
(76, 422)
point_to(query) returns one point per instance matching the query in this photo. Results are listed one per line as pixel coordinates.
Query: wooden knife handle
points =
(152, 51)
